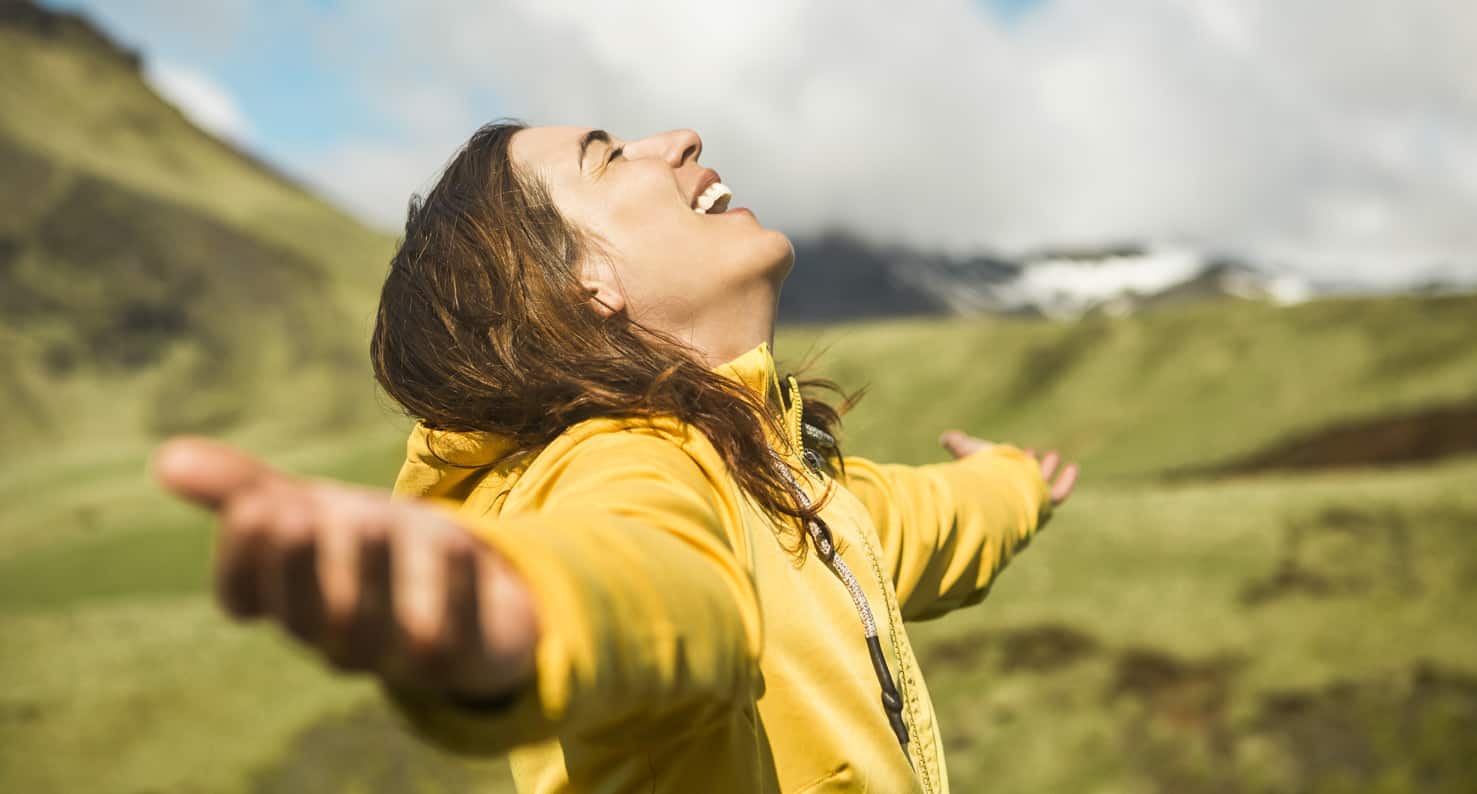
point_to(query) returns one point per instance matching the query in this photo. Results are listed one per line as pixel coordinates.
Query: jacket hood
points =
(442, 464)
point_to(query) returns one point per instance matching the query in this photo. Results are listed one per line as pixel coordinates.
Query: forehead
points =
(549, 151)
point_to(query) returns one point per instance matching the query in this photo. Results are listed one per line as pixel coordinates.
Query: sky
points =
(1333, 138)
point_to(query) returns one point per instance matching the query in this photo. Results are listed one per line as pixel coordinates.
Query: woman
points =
(625, 549)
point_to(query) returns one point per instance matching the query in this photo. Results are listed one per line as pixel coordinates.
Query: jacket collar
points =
(445, 463)
(755, 369)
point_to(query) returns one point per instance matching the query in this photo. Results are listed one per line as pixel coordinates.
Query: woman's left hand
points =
(1060, 480)
(393, 587)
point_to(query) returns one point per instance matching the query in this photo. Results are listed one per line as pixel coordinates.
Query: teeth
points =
(714, 199)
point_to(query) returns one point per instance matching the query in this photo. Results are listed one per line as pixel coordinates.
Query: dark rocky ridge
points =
(65, 28)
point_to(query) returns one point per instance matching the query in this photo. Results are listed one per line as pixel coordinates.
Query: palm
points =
(387, 586)
(1060, 480)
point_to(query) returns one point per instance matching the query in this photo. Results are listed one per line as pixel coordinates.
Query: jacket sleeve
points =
(646, 611)
(947, 529)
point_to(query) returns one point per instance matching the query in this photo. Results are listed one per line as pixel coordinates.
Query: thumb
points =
(206, 472)
(960, 444)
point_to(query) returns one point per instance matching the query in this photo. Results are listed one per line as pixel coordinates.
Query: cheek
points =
(665, 280)
(667, 284)
(644, 219)
(635, 213)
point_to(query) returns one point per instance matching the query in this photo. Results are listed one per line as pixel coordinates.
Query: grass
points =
(141, 257)
(1141, 396)
(120, 676)
(1260, 633)
(76, 102)
(1174, 652)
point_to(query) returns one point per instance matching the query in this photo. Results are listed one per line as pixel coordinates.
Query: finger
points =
(418, 583)
(1064, 484)
(368, 638)
(960, 444)
(509, 618)
(240, 553)
(469, 668)
(206, 472)
(1049, 464)
(293, 593)
(353, 569)
(338, 562)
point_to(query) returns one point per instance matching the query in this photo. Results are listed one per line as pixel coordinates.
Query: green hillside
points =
(1263, 634)
(153, 279)
(1187, 387)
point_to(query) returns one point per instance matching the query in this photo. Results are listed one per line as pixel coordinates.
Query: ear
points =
(602, 286)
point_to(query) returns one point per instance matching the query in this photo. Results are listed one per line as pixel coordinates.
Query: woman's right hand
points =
(392, 587)
(1060, 480)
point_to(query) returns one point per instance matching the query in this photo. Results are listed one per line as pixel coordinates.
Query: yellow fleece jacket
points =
(682, 649)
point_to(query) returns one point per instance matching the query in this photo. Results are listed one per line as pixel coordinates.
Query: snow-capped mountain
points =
(838, 276)
(1118, 281)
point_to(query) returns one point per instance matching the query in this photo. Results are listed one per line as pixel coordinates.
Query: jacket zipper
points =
(892, 701)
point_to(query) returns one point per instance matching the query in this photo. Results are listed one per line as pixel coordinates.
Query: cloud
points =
(202, 99)
(1338, 136)
(193, 29)
(375, 180)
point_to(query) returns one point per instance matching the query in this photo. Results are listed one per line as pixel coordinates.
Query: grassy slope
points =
(126, 218)
(1158, 622)
(1149, 394)
(82, 107)
(1258, 635)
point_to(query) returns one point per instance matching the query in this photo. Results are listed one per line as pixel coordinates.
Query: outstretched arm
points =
(611, 596)
(392, 587)
(947, 529)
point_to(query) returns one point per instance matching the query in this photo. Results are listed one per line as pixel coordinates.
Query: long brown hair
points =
(483, 325)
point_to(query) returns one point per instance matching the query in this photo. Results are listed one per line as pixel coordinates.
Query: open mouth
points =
(713, 200)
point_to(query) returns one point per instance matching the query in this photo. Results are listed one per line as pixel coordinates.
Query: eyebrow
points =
(591, 137)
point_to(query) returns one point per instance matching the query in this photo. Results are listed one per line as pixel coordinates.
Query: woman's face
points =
(668, 266)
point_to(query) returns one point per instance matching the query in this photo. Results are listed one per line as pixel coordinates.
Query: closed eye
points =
(615, 152)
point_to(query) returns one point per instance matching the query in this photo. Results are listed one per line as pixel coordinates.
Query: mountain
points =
(154, 278)
(840, 276)
(1066, 284)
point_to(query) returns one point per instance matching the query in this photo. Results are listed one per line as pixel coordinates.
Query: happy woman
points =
(622, 547)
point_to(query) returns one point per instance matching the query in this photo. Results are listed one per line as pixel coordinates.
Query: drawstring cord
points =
(892, 701)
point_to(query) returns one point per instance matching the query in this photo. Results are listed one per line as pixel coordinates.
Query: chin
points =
(780, 254)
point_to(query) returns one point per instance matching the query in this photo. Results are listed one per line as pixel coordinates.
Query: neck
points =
(737, 326)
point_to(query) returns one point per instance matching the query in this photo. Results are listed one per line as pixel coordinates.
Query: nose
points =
(674, 146)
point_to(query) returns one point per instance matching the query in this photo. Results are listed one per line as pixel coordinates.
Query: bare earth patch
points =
(1417, 437)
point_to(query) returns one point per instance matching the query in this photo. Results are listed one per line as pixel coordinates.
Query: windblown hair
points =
(483, 325)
